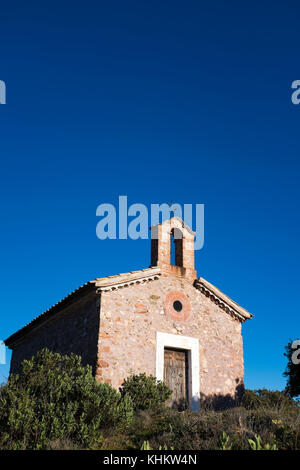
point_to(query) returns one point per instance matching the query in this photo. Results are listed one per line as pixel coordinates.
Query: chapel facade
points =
(163, 320)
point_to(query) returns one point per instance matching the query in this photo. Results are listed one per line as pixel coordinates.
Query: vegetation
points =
(271, 422)
(145, 391)
(55, 403)
(292, 371)
(56, 398)
(146, 446)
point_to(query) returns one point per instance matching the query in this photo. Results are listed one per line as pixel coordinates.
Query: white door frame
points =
(166, 340)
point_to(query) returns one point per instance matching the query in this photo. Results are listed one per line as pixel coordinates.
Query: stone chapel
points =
(162, 320)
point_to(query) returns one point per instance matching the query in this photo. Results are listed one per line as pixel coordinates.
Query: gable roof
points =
(104, 283)
(50, 312)
(119, 281)
(221, 299)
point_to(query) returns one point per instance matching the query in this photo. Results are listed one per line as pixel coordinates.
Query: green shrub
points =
(146, 446)
(124, 411)
(55, 398)
(145, 391)
(256, 444)
(224, 442)
(55, 403)
(206, 430)
(287, 435)
(255, 399)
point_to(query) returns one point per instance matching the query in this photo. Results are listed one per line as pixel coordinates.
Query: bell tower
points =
(173, 232)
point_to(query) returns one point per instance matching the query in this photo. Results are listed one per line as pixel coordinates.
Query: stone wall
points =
(124, 340)
(74, 329)
(131, 316)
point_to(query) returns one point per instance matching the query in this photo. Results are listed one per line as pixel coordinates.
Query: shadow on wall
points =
(180, 405)
(221, 402)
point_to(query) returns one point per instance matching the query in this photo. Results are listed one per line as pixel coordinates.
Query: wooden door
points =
(176, 377)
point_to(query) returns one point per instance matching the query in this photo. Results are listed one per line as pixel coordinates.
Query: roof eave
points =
(222, 300)
(97, 285)
(50, 313)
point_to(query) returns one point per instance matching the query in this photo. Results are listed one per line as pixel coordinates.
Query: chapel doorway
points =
(176, 377)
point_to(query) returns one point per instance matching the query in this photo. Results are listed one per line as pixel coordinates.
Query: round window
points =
(177, 306)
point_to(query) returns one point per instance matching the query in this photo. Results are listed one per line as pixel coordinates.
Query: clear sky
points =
(162, 100)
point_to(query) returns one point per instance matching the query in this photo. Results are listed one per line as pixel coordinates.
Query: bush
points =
(56, 403)
(276, 421)
(56, 398)
(255, 399)
(145, 391)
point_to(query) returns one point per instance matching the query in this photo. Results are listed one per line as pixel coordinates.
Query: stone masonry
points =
(129, 321)
(113, 322)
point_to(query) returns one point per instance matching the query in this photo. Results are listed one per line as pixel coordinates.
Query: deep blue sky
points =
(159, 101)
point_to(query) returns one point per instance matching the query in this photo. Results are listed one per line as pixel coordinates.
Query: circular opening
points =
(177, 305)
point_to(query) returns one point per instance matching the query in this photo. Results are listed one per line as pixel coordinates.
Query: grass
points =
(275, 424)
